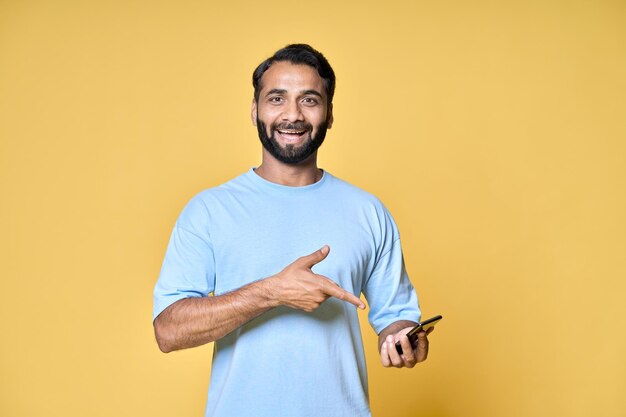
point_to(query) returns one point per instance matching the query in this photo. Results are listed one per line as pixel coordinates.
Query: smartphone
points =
(412, 334)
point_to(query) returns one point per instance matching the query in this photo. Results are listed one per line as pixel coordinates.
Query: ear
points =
(253, 112)
(329, 116)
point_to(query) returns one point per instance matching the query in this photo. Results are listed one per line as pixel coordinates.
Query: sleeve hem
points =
(383, 324)
(161, 306)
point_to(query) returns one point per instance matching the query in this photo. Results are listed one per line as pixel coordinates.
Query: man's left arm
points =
(410, 356)
(393, 303)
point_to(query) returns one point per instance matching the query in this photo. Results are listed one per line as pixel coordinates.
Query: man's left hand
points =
(410, 356)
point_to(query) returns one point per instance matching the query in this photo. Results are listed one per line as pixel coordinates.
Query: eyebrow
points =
(303, 92)
(275, 91)
(312, 92)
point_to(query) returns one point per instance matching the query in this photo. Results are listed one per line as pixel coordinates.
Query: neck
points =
(293, 175)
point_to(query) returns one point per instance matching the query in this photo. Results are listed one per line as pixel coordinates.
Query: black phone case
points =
(412, 335)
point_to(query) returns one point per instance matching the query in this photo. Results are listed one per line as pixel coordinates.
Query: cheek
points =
(317, 124)
(269, 129)
(317, 119)
(267, 119)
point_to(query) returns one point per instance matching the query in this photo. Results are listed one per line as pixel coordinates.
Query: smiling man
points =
(291, 113)
(287, 249)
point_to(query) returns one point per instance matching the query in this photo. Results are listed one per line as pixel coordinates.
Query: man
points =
(287, 249)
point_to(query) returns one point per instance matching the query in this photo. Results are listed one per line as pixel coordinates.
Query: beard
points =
(291, 154)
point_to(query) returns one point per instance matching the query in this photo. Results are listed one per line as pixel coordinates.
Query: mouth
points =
(292, 135)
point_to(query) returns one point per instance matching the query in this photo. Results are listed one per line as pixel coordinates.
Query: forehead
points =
(292, 77)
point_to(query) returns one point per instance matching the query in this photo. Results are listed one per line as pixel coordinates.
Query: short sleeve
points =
(188, 269)
(388, 290)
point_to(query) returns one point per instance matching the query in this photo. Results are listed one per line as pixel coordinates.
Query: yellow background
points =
(494, 131)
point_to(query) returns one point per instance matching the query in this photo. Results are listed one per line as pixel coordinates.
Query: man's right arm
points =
(196, 321)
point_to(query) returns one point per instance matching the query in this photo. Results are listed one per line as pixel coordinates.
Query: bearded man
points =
(271, 265)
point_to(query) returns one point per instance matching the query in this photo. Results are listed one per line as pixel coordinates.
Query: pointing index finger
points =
(338, 292)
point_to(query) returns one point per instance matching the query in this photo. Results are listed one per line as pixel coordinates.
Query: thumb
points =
(316, 257)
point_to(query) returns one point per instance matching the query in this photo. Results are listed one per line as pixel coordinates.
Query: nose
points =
(292, 112)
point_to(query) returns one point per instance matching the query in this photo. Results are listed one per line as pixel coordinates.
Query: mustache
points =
(292, 126)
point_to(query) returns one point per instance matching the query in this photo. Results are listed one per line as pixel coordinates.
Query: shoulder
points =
(204, 203)
(367, 208)
(348, 191)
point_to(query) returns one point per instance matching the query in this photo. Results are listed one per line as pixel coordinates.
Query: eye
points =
(309, 101)
(275, 99)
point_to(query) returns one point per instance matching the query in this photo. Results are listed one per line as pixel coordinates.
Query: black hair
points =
(298, 53)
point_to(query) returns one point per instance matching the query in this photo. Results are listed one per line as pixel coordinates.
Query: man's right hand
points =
(297, 286)
(195, 321)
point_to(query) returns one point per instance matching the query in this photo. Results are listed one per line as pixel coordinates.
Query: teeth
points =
(292, 132)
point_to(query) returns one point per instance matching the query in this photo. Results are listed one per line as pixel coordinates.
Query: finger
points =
(315, 258)
(384, 356)
(422, 345)
(396, 360)
(338, 292)
(407, 351)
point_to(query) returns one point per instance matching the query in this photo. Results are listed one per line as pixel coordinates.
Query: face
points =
(292, 113)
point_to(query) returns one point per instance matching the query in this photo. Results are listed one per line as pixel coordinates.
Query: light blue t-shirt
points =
(287, 362)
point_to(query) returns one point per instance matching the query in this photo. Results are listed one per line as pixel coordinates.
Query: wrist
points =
(268, 292)
(392, 329)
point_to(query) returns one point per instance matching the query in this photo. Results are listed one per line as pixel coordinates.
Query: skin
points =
(199, 320)
(410, 356)
(289, 94)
